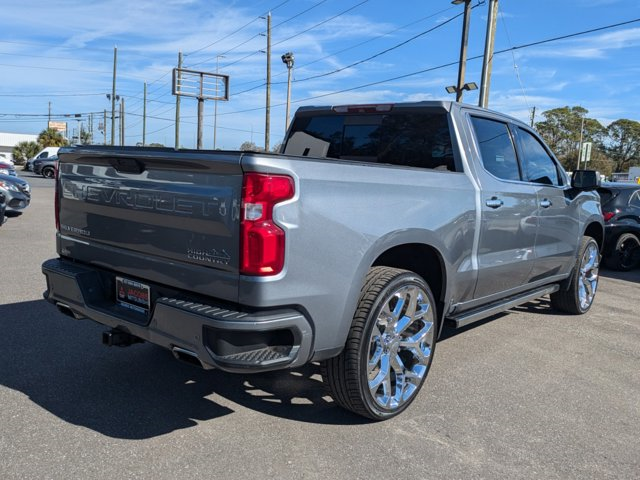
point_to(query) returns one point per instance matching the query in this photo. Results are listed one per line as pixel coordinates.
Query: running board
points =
(485, 311)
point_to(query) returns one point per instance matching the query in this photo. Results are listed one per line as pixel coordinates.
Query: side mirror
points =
(585, 179)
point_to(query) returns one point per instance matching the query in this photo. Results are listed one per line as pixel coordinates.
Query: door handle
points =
(494, 202)
(545, 203)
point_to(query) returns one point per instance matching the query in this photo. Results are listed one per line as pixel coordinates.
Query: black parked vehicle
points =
(621, 211)
(45, 166)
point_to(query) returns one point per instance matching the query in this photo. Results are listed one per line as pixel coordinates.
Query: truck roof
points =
(382, 107)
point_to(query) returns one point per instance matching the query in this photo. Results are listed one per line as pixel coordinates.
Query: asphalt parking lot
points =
(528, 394)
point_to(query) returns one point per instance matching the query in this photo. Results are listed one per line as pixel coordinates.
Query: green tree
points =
(51, 138)
(23, 151)
(85, 137)
(623, 145)
(250, 147)
(561, 130)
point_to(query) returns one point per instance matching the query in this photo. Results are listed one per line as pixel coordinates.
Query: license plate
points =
(133, 295)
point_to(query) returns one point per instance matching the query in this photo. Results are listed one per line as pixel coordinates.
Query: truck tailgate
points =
(153, 214)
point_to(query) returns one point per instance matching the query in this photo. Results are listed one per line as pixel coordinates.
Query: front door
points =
(509, 209)
(558, 218)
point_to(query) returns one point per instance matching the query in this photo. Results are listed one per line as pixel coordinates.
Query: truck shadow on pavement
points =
(140, 391)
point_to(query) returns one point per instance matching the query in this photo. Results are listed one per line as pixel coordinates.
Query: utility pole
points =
(90, 128)
(104, 126)
(113, 97)
(462, 66)
(144, 115)
(533, 116)
(122, 121)
(487, 62)
(215, 106)
(177, 144)
(267, 125)
(49, 121)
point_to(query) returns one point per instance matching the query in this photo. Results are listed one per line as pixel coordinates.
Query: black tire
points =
(48, 172)
(578, 297)
(406, 343)
(624, 256)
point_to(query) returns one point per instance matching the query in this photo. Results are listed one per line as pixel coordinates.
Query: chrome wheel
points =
(588, 275)
(400, 346)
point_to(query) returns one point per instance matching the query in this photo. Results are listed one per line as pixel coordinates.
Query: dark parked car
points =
(45, 166)
(17, 192)
(621, 211)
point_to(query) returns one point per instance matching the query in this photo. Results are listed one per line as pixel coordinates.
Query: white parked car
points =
(44, 153)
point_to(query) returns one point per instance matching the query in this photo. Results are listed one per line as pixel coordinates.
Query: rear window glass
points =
(605, 195)
(408, 139)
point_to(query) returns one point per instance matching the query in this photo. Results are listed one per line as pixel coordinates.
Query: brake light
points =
(56, 201)
(262, 242)
(373, 108)
(608, 215)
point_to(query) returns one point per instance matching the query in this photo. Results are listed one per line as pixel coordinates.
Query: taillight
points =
(56, 201)
(608, 215)
(373, 108)
(262, 242)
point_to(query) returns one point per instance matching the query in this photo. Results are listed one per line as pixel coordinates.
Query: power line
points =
(371, 57)
(386, 34)
(56, 115)
(65, 47)
(256, 36)
(369, 40)
(50, 94)
(77, 70)
(321, 23)
(445, 65)
(237, 30)
(515, 65)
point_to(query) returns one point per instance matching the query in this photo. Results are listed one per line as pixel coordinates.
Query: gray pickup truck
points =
(375, 226)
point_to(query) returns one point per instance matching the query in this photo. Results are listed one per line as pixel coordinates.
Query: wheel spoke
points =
(375, 359)
(397, 310)
(415, 340)
(383, 374)
(402, 324)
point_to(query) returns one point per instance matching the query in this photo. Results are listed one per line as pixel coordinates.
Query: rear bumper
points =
(217, 336)
(17, 201)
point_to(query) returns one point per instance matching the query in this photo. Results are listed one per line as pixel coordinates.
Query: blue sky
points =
(62, 52)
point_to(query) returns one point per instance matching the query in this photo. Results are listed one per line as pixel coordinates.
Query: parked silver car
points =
(7, 168)
(17, 192)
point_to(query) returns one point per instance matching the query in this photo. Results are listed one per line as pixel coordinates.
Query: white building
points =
(10, 140)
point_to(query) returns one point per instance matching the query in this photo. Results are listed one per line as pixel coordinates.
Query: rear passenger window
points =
(496, 148)
(635, 200)
(538, 166)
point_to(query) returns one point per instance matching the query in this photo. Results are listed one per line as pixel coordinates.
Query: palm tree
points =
(23, 151)
(51, 138)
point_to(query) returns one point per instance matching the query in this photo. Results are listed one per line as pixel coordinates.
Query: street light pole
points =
(288, 59)
(463, 47)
